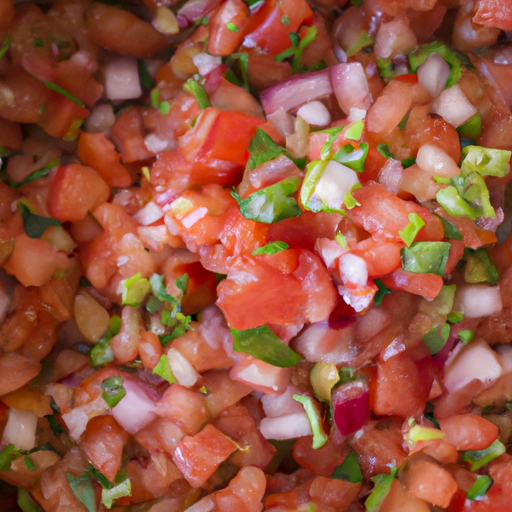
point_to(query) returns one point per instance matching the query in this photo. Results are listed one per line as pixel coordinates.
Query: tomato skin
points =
(221, 39)
(265, 28)
(98, 152)
(102, 443)
(301, 291)
(469, 431)
(75, 190)
(494, 13)
(198, 456)
(140, 39)
(424, 285)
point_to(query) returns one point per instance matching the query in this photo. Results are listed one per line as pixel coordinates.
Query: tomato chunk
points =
(469, 431)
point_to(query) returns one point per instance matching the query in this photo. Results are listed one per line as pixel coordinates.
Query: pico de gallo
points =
(255, 255)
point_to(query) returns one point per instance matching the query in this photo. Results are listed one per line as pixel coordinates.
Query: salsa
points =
(256, 255)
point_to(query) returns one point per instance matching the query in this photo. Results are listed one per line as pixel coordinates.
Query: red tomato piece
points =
(244, 492)
(59, 113)
(383, 215)
(424, 285)
(103, 442)
(26, 251)
(98, 152)
(399, 372)
(10, 134)
(198, 457)
(140, 39)
(381, 258)
(469, 431)
(265, 29)
(430, 482)
(300, 290)
(74, 191)
(494, 13)
(223, 39)
(399, 500)
(7, 13)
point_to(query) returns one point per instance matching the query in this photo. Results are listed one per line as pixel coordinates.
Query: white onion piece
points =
(319, 342)
(390, 176)
(181, 368)
(453, 106)
(315, 113)
(165, 21)
(283, 404)
(394, 38)
(335, 183)
(329, 250)
(20, 429)
(432, 159)
(260, 375)
(136, 409)
(205, 63)
(76, 420)
(474, 361)
(284, 122)
(289, 426)
(150, 213)
(297, 90)
(350, 86)
(505, 357)
(477, 300)
(432, 75)
(101, 119)
(356, 114)
(353, 269)
(156, 145)
(122, 78)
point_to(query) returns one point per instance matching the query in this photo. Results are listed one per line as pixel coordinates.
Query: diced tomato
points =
(430, 482)
(399, 500)
(7, 13)
(302, 292)
(140, 39)
(383, 215)
(103, 442)
(425, 285)
(197, 457)
(321, 461)
(74, 191)
(10, 134)
(128, 135)
(399, 372)
(184, 407)
(26, 251)
(469, 431)
(494, 13)
(265, 28)
(227, 26)
(244, 492)
(381, 258)
(98, 152)
(455, 255)
(408, 78)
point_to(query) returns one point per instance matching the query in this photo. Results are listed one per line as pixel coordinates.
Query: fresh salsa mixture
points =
(255, 256)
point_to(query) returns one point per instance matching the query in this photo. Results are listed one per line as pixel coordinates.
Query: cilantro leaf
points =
(349, 470)
(425, 257)
(112, 391)
(263, 149)
(35, 225)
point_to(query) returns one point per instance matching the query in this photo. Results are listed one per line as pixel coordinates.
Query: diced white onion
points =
(76, 420)
(315, 113)
(432, 75)
(20, 429)
(122, 78)
(453, 106)
(181, 368)
(284, 122)
(478, 300)
(283, 404)
(205, 63)
(432, 159)
(335, 183)
(150, 213)
(356, 114)
(101, 118)
(136, 409)
(353, 269)
(350, 86)
(289, 426)
(156, 145)
(474, 361)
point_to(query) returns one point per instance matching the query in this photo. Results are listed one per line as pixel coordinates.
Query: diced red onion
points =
(289, 426)
(394, 38)
(342, 316)
(206, 63)
(195, 9)
(434, 160)
(315, 113)
(441, 357)
(476, 360)
(20, 429)
(350, 86)
(351, 406)
(283, 121)
(478, 300)
(432, 75)
(297, 90)
(122, 78)
(136, 409)
(453, 106)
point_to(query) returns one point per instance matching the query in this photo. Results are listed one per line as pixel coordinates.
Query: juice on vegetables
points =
(255, 255)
